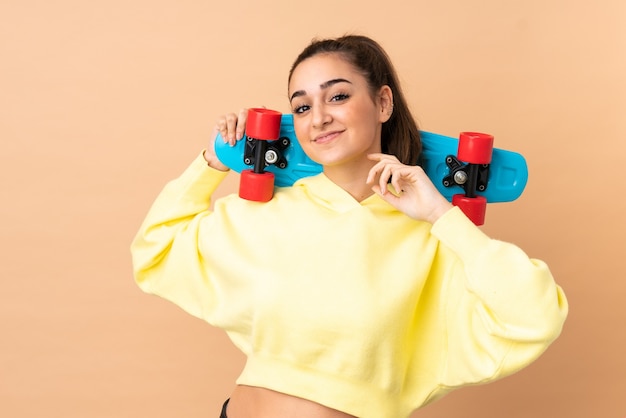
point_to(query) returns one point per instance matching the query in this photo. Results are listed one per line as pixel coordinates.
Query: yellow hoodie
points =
(349, 304)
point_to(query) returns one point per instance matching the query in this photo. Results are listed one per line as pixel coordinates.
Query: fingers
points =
(415, 194)
(209, 153)
(374, 171)
(388, 168)
(232, 126)
(241, 126)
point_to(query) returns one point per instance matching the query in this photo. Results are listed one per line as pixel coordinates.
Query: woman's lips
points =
(326, 137)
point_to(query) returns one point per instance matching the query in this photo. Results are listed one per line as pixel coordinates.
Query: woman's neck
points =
(351, 178)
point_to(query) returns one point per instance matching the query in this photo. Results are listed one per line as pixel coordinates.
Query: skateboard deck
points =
(504, 182)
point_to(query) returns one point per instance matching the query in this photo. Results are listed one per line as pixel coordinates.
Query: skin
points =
(338, 122)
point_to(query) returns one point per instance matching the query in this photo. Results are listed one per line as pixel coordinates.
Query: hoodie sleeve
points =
(502, 310)
(165, 255)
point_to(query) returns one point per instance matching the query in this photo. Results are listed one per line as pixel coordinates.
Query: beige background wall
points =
(101, 102)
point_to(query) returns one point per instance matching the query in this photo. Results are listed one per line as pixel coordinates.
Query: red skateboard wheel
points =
(473, 207)
(475, 148)
(263, 124)
(258, 187)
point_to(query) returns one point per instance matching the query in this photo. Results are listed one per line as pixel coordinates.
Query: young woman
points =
(358, 292)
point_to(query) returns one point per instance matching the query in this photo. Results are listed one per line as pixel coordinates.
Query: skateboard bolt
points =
(271, 156)
(460, 177)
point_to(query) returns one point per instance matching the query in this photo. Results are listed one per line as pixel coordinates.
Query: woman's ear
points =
(385, 101)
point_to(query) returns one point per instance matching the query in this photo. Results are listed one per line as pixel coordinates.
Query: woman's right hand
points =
(231, 127)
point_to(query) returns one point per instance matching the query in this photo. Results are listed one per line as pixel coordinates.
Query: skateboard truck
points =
(471, 177)
(263, 147)
(271, 152)
(470, 170)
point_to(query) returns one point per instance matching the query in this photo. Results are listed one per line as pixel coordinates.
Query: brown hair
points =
(400, 134)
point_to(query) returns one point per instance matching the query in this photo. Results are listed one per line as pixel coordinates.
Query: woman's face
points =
(336, 119)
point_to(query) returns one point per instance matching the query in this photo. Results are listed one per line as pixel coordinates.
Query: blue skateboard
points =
(468, 171)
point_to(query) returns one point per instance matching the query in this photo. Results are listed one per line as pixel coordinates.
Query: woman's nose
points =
(320, 117)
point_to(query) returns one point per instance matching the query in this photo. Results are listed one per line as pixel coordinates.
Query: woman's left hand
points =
(416, 195)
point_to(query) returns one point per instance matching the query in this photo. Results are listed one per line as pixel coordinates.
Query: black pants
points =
(223, 414)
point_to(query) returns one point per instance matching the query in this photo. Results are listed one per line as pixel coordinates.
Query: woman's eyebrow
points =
(332, 82)
(323, 86)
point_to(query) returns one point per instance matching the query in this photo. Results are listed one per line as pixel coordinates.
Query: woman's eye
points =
(300, 109)
(339, 97)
